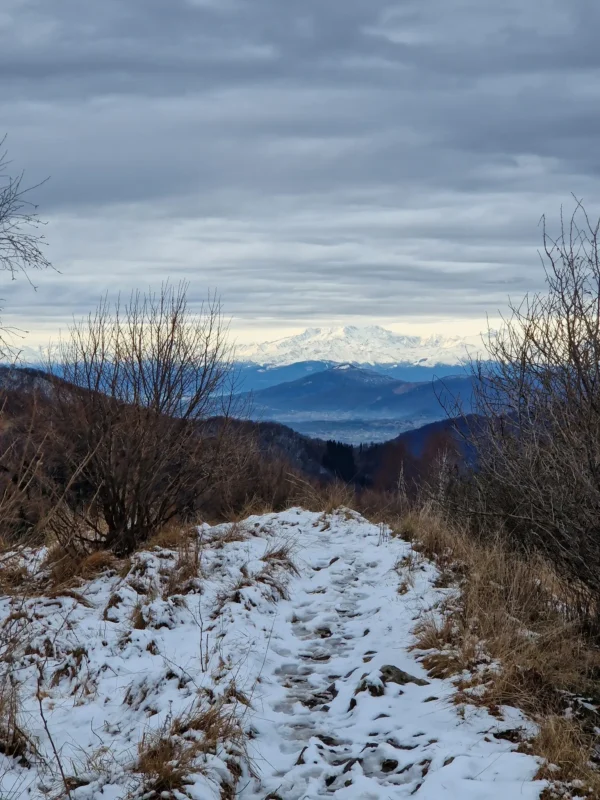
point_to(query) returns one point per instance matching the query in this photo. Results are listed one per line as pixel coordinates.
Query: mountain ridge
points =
(348, 390)
(361, 345)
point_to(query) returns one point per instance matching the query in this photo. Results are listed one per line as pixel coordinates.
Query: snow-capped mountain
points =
(368, 345)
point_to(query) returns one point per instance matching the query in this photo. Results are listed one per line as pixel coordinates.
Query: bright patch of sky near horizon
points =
(317, 164)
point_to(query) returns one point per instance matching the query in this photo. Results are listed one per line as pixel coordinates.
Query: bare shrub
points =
(23, 500)
(252, 480)
(536, 438)
(21, 242)
(137, 382)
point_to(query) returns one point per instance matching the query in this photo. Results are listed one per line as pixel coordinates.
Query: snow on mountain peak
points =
(361, 345)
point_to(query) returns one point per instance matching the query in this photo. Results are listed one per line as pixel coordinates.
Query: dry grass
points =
(513, 626)
(14, 741)
(388, 507)
(278, 566)
(236, 532)
(171, 537)
(569, 755)
(272, 579)
(279, 556)
(138, 619)
(168, 757)
(67, 566)
(165, 764)
(182, 576)
(13, 576)
(96, 563)
(326, 498)
(255, 506)
(218, 725)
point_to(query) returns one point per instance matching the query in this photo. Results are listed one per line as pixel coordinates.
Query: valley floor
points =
(294, 630)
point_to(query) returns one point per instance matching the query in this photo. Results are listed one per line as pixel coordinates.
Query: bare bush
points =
(537, 435)
(23, 501)
(135, 385)
(251, 479)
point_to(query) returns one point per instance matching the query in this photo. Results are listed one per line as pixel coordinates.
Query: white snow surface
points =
(363, 345)
(324, 719)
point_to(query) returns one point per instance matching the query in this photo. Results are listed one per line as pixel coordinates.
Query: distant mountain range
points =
(371, 345)
(353, 404)
(252, 377)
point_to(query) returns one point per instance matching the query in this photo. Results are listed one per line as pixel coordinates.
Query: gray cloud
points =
(312, 161)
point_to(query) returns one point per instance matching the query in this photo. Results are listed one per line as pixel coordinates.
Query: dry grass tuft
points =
(326, 498)
(256, 506)
(436, 637)
(13, 576)
(219, 725)
(138, 619)
(168, 757)
(172, 537)
(67, 566)
(336, 495)
(165, 764)
(62, 564)
(14, 742)
(236, 532)
(279, 557)
(434, 633)
(569, 757)
(96, 562)
(182, 577)
(434, 538)
(272, 579)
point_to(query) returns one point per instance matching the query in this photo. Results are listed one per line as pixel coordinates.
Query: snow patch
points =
(368, 345)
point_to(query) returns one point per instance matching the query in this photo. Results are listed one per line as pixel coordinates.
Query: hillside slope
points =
(346, 389)
(253, 377)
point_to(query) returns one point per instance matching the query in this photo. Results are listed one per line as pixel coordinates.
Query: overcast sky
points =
(315, 161)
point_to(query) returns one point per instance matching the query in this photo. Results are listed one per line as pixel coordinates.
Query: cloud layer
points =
(313, 161)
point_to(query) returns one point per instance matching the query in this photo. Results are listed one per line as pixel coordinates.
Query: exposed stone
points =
(391, 674)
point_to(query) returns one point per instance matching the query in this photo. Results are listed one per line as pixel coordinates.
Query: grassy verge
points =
(512, 628)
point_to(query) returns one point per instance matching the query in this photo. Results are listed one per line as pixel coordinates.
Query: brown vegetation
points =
(514, 630)
(167, 758)
(537, 436)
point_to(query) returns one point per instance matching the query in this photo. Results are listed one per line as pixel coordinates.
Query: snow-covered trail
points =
(334, 702)
(344, 710)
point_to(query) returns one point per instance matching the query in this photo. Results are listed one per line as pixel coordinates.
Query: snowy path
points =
(339, 707)
(336, 715)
